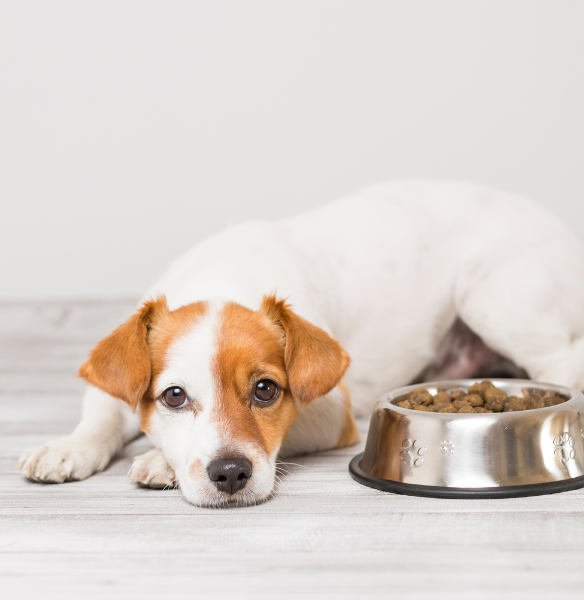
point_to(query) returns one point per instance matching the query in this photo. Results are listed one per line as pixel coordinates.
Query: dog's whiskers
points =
(279, 483)
(286, 464)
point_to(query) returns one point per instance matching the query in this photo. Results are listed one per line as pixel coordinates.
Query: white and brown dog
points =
(411, 280)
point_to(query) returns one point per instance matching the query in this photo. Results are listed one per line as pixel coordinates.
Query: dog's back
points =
(380, 269)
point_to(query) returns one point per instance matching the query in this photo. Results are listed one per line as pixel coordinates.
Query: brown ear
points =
(120, 363)
(315, 362)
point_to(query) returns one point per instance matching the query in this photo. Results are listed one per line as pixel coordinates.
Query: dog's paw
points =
(67, 459)
(152, 470)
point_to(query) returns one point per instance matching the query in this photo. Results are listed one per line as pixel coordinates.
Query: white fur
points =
(318, 426)
(387, 271)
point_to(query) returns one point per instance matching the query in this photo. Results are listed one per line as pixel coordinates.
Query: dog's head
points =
(217, 386)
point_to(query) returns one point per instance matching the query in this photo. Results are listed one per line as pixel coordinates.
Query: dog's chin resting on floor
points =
(267, 339)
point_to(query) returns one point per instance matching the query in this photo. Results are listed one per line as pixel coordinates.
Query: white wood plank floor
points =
(323, 536)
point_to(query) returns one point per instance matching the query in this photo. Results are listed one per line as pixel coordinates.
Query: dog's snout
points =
(230, 474)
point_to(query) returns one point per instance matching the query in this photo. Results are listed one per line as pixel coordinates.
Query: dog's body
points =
(414, 280)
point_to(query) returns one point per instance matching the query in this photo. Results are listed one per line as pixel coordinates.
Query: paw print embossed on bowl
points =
(447, 447)
(412, 453)
(564, 447)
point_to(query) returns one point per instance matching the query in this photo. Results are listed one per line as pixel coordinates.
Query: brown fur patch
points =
(315, 362)
(250, 349)
(350, 433)
(120, 363)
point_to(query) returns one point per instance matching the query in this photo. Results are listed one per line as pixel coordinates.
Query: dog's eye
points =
(174, 397)
(266, 390)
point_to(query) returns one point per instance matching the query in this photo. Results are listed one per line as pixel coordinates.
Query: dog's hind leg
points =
(106, 425)
(531, 312)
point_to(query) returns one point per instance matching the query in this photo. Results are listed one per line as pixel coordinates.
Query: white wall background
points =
(130, 130)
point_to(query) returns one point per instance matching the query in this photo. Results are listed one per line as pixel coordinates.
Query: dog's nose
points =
(230, 474)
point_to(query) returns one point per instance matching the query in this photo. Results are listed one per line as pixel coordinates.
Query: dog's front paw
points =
(152, 470)
(68, 459)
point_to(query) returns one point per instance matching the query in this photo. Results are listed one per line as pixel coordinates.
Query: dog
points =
(240, 352)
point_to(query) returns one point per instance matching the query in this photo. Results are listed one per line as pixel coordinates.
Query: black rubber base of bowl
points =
(434, 491)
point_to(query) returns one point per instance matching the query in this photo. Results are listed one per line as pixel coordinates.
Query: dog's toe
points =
(152, 470)
(66, 459)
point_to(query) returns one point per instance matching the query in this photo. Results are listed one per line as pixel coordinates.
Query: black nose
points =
(230, 474)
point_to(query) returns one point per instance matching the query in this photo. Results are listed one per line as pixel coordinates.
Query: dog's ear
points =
(120, 363)
(315, 362)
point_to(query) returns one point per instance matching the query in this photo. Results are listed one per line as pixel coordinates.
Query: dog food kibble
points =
(481, 397)
(494, 399)
(474, 400)
(442, 398)
(424, 408)
(514, 403)
(421, 396)
(480, 388)
(460, 404)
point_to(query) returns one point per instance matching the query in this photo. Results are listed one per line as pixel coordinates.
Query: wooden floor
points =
(323, 536)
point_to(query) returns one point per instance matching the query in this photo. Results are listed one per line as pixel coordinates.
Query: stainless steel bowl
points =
(484, 455)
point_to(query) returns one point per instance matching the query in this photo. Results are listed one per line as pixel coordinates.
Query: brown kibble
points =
(480, 388)
(473, 399)
(458, 404)
(494, 393)
(421, 396)
(514, 403)
(401, 398)
(476, 388)
(552, 400)
(494, 399)
(539, 402)
(441, 399)
(481, 397)
(496, 405)
(534, 400)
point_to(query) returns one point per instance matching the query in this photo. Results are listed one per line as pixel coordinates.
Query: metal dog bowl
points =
(484, 455)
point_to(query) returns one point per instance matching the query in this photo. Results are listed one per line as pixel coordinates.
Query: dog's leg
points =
(152, 470)
(531, 315)
(326, 423)
(106, 425)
